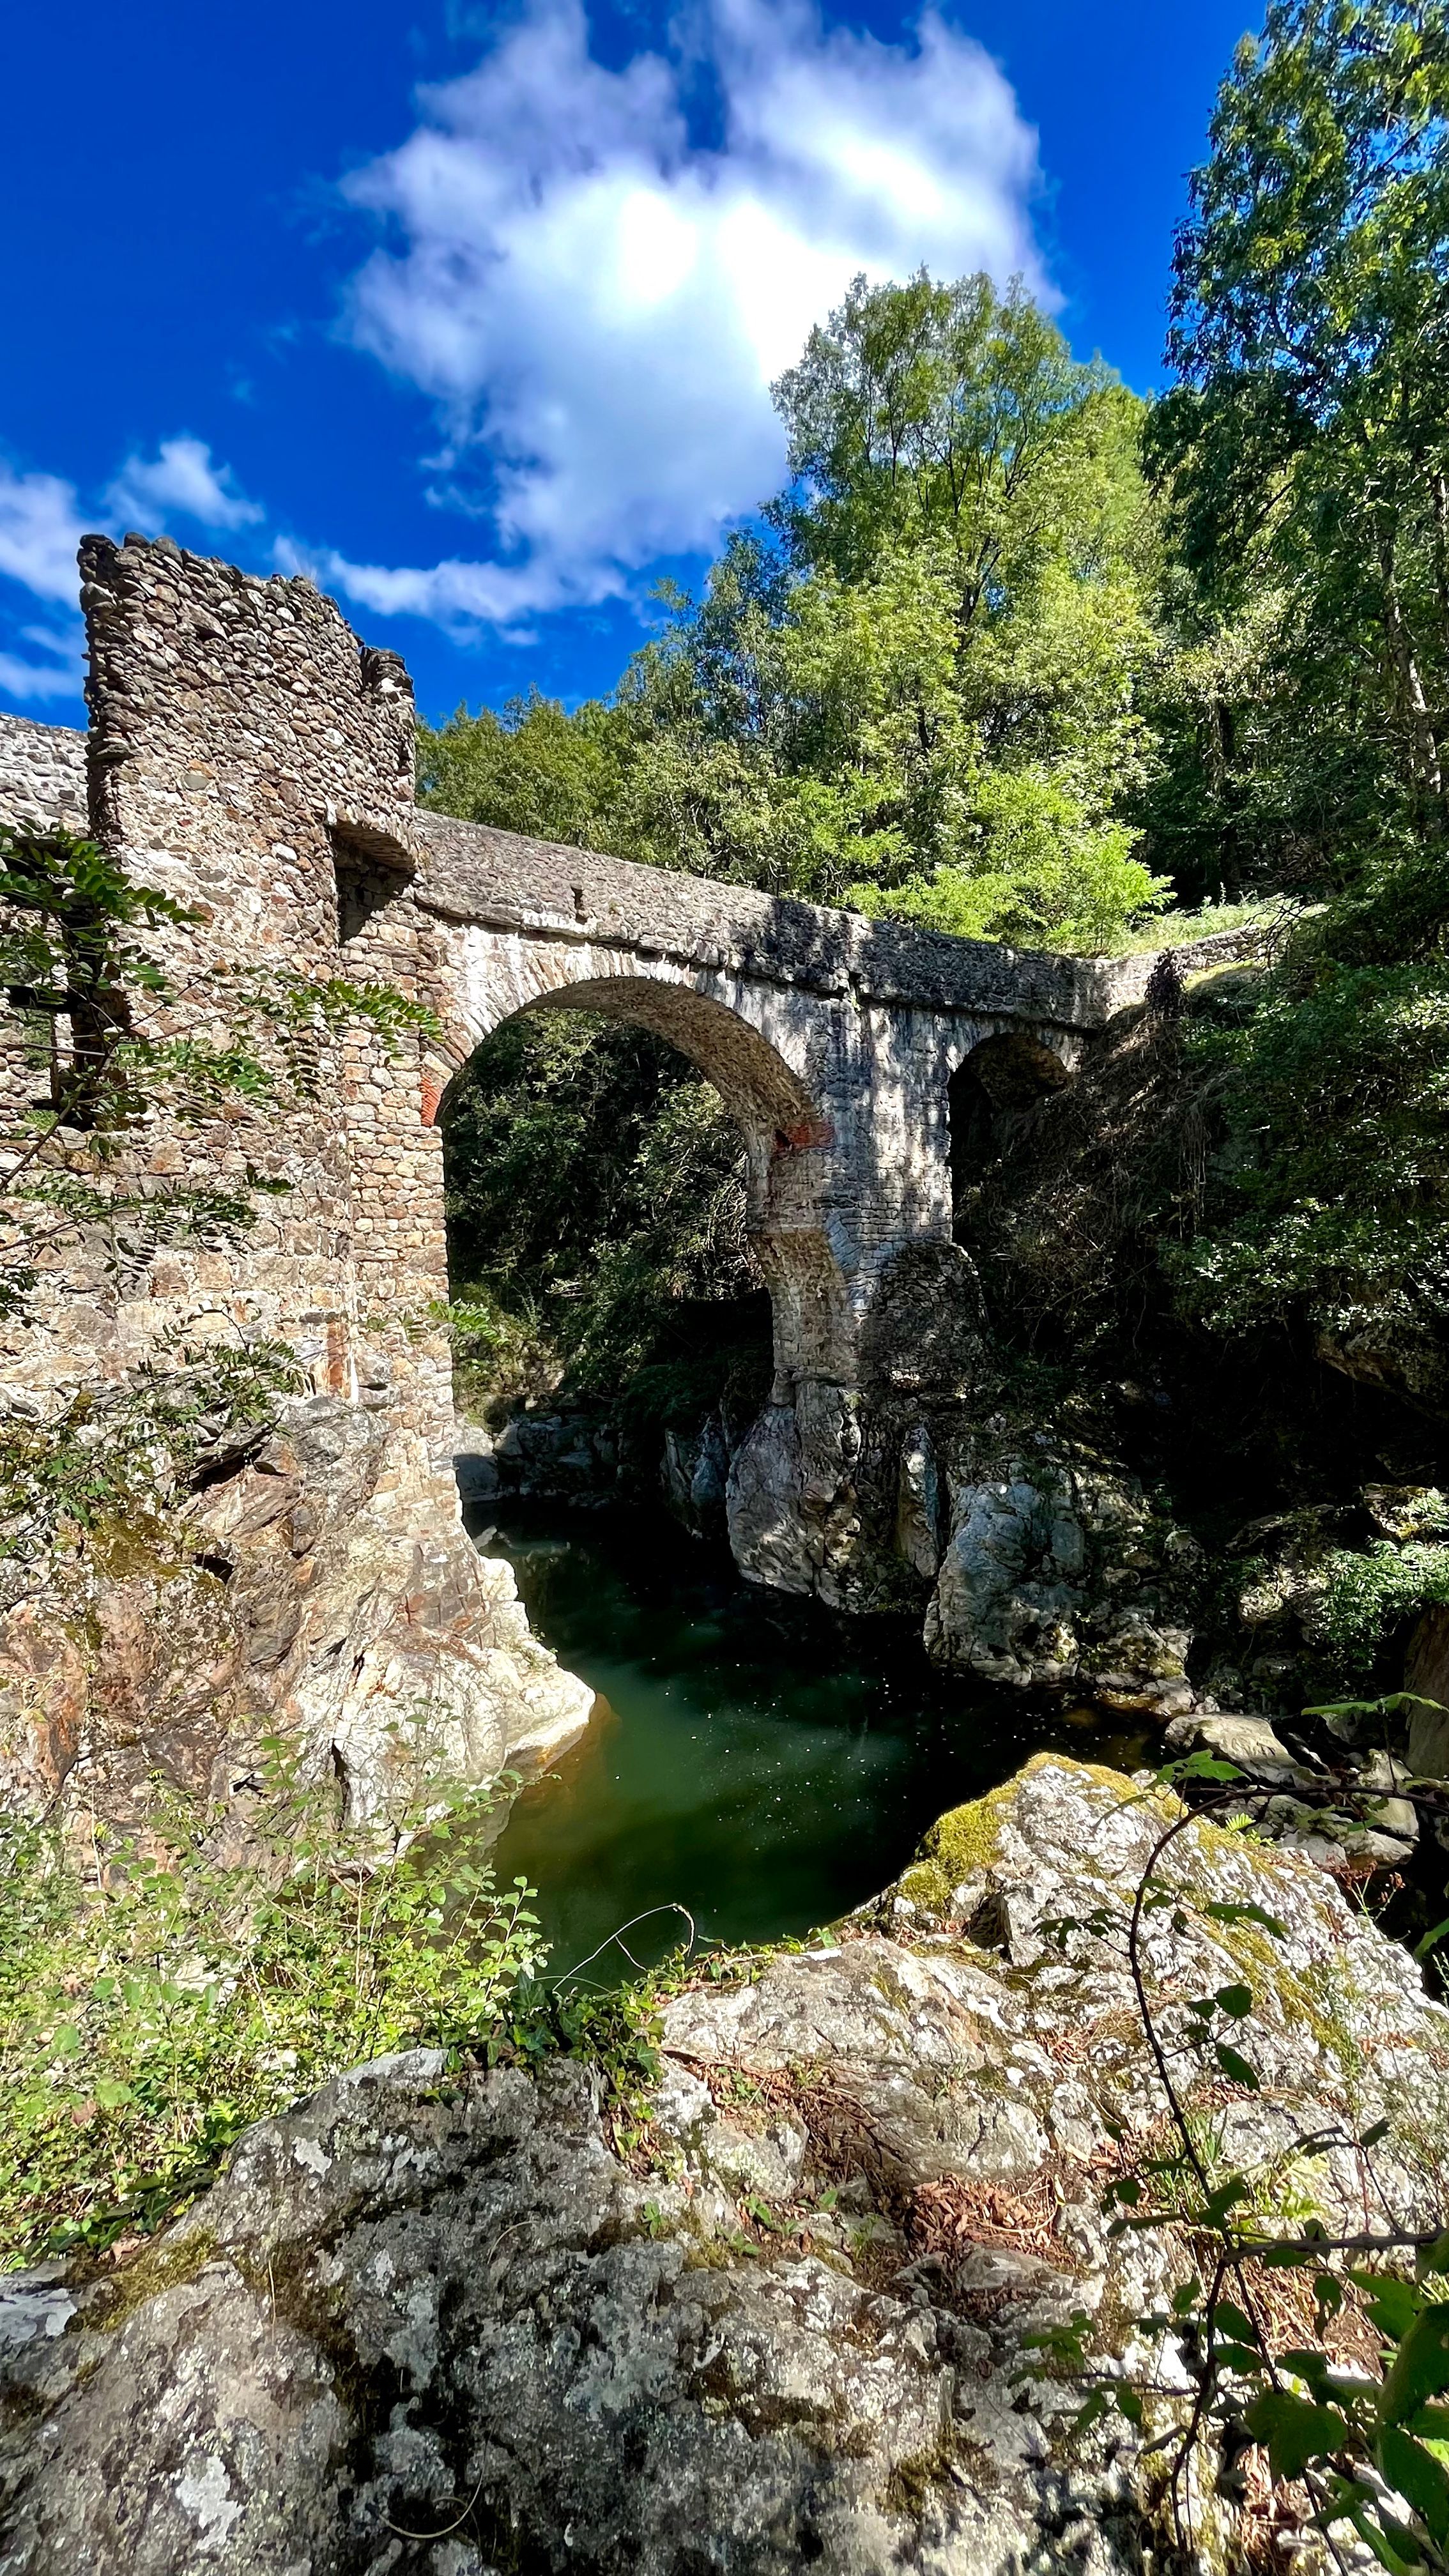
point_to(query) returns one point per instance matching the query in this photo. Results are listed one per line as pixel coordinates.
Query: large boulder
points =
(1057, 1572)
(778, 2316)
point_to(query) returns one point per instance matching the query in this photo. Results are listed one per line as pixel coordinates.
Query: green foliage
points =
(617, 2033)
(1304, 458)
(1370, 1596)
(134, 1445)
(144, 2024)
(534, 769)
(1306, 446)
(914, 687)
(595, 1186)
(1331, 1186)
(502, 1353)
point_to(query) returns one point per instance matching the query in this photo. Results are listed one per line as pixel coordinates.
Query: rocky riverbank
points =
(780, 2313)
(317, 1585)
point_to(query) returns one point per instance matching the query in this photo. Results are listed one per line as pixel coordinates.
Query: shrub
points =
(1370, 1595)
(146, 2020)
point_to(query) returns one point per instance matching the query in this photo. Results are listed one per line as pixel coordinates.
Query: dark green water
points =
(760, 1762)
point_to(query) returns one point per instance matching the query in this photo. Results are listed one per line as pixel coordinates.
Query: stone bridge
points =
(248, 753)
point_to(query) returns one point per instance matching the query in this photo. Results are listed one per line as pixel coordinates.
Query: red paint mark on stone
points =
(432, 1094)
(803, 1135)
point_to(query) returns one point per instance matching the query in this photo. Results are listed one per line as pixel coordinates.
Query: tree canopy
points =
(1304, 449)
(913, 687)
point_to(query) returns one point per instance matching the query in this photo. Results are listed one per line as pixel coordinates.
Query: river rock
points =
(458, 2321)
(561, 1456)
(694, 1474)
(1056, 1572)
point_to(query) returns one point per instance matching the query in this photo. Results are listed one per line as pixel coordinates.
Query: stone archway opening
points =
(991, 1093)
(797, 1315)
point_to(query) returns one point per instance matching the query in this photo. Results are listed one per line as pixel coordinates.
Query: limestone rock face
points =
(1056, 1572)
(434, 2320)
(695, 1475)
(325, 1590)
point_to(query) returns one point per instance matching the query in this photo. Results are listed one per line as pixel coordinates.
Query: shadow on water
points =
(759, 1760)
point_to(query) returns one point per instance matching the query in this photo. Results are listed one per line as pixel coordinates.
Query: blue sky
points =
(471, 314)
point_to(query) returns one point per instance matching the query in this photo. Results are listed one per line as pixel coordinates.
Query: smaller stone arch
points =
(1000, 1082)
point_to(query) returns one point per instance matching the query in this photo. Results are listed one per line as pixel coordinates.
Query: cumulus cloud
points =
(41, 525)
(597, 302)
(180, 481)
(39, 532)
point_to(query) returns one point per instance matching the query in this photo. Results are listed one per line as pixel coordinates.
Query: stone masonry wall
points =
(242, 745)
(42, 774)
(250, 757)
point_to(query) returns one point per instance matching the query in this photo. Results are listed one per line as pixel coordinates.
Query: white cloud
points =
(39, 532)
(41, 525)
(180, 481)
(597, 304)
(61, 675)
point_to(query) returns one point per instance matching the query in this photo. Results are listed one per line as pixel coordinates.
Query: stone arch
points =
(786, 1138)
(1000, 1081)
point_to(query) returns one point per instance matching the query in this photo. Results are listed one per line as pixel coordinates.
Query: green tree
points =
(595, 1187)
(1306, 446)
(914, 686)
(1305, 455)
(534, 769)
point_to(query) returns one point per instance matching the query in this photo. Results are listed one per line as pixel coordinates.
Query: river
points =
(758, 1761)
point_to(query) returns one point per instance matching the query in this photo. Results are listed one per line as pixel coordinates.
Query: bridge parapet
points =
(471, 873)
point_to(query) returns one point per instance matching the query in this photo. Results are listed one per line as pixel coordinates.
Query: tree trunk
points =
(1421, 723)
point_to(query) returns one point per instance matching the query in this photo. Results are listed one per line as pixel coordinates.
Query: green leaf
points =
(1328, 2293)
(1093, 2412)
(1229, 2319)
(1418, 2477)
(1392, 2304)
(1198, 1766)
(1294, 2431)
(1421, 2367)
(1431, 2424)
(1237, 2067)
(1401, 2560)
(1218, 2204)
(1235, 2001)
(1222, 1910)
(1431, 1940)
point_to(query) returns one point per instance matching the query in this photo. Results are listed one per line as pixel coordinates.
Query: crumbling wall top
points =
(220, 699)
